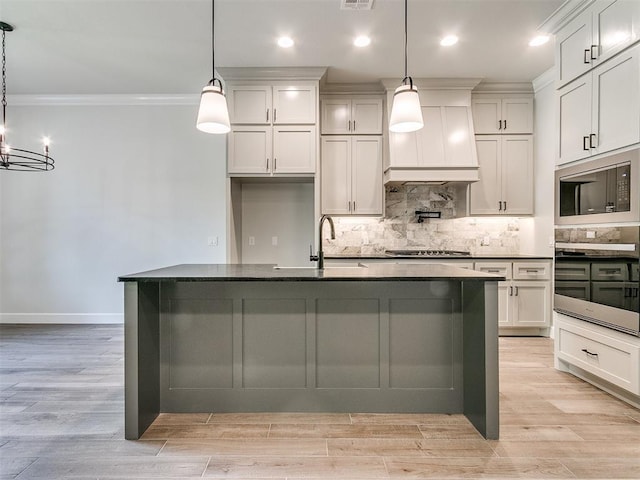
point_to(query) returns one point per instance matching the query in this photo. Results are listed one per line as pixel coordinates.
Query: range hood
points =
(444, 151)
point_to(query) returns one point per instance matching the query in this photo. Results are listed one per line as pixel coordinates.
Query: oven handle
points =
(618, 247)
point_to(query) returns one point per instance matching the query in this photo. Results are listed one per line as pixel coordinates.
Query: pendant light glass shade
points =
(213, 116)
(406, 114)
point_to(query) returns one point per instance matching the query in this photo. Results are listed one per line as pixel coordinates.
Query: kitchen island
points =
(257, 338)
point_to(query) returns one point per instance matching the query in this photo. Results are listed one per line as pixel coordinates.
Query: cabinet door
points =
(336, 116)
(484, 195)
(517, 174)
(403, 149)
(294, 149)
(616, 102)
(250, 105)
(505, 318)
(250, 150)
(366, 175)
(366, 116)
(294, 104)
(616, 25)
(531, 304)
(517, 115)
(575, 120)
(336, 175)
(487, 114)
(573, 48)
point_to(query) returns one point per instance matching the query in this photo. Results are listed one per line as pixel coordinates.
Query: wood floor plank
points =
(602, 468)
(344, 431)
(422, 468)
(409, 419)
(281, 417)
(567, 449)
(630, 433)
(460, 432)
(541, 433)
(248, 446)
(208, 431)
(401, 448)
(306, 467)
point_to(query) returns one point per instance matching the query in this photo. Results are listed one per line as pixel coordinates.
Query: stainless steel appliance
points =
(597, 276)
(599, 191)
(427, 253)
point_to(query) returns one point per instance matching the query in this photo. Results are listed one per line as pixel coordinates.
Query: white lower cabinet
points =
(604, 353)
(524, 299)
(352, 175)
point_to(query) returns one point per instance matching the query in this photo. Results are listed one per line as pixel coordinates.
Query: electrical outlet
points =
(591, 234)
(252, 241)
(212, 241)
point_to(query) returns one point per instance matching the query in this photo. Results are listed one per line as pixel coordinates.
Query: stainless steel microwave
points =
(599, 191)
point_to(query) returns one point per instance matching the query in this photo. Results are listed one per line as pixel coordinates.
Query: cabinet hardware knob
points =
(354, 125)
(531, 270)
(499, 124)
(584, 143)
(267, 114)
(589, 353)
(275, 163)
(594, 56)
(505, 205)
(274, 115)
(267, 164)
(500, 206)
(516, 291)
(505, 124)
(349, 127)
(510, 291)
(592, 141)
(354, 206)
(587, 55)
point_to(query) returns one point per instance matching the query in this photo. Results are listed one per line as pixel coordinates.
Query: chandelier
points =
(16, 158)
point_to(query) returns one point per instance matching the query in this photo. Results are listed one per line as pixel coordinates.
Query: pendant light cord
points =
(213, 41)
(405, 39)
(4, 80)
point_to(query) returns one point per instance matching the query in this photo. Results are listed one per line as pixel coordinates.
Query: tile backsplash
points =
(400, 228)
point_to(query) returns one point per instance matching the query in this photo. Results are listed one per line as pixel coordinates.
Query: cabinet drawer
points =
(531, 271)
(606, 357)
(498, 268)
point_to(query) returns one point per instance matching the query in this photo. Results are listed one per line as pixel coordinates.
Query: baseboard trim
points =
(68, 318)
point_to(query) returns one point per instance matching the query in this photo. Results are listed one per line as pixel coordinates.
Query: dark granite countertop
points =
(436, 257)
(261, 272)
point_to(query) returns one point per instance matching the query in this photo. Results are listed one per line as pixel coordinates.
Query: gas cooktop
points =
(427, 253)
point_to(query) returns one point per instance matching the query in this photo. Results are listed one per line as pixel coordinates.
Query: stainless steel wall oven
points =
(597, 275)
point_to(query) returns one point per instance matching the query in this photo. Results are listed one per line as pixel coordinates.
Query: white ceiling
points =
(164, 46)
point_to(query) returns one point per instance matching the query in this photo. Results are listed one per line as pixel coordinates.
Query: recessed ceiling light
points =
(539, 40)
(362, 41)
(449, 40)
(285, 42)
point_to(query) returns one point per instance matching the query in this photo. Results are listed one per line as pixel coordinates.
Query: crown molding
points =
(544, 80)
(504, 87)
(374, 88)
(565, 13)
(232, 74)
(435, 83)
(103, 100)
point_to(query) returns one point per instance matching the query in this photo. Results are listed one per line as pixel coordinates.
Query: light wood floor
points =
(61, 416)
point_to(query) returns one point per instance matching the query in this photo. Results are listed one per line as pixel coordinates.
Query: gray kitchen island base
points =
(418, 345)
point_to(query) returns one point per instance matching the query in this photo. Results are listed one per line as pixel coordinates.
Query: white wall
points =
(536, 232)
(135, 187)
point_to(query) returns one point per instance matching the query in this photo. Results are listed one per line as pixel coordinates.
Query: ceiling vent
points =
(356, 4)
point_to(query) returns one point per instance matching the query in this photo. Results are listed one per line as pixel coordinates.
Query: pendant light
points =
(213, 115)
(17, 158)
(406, 114)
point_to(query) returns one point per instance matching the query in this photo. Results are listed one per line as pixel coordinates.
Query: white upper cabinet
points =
(352, 175)
(601, 31)
(600, 111)
(272, 105)
(351, 115)
(506, 176)
(273, 129)
(492, 115)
